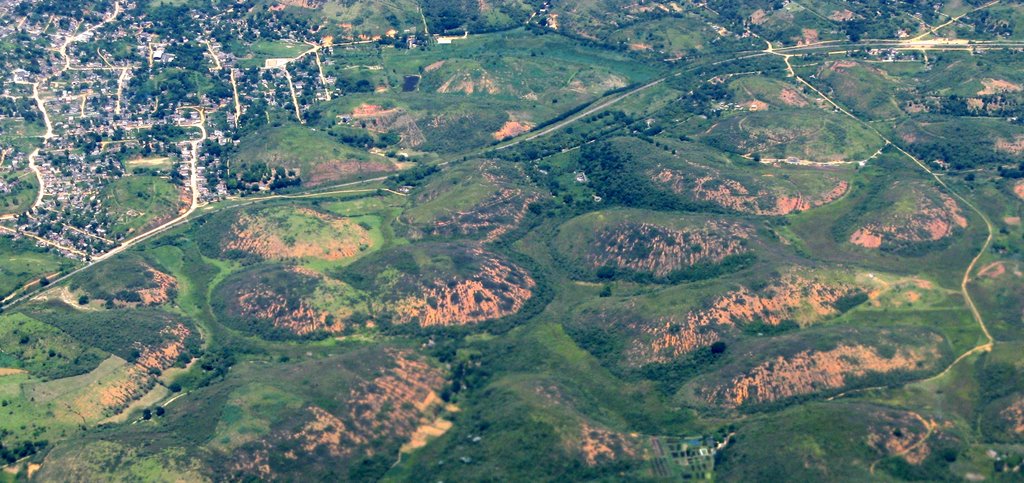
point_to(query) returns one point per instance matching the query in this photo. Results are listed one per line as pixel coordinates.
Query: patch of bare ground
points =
(603, 84)
(387, 407)
(998, 86)
(1014, 146)
(791, 97)
(933, 220)
(757, 105)
(842, 15)
(330, 171)
(298, 317)
(110, 396)
(166, 285)
(511, 129)
(899, 433)
(259, 236)
(600, 446)
(789, 298)
(807, 36)
(993, 270)
(10, 371)
(166, 354)
(496, 215)
(470, 83)
(309, 4)
(730, 193)
(659, 250)
(594, 443)
(425, 432)
(812, 371)
(759, 17)
(497, 289)
(377, 119)
(1018, 189)
(160, 289)
(1014, 414)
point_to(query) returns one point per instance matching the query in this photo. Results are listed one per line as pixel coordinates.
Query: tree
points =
(83, 299)
(718, 347)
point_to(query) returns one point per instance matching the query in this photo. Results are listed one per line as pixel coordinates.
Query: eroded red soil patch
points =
(511, 129)
(160, 289)
(1014, 414)
(791, 97)
(997, 86)
(599, 445)
(934, 220)
(813, 371)
(377, 119)
(390, 405)
(166, 354)
(1012, 146)
(900, 434)
(656, 249)
(732, 194)
(387, 407)
(497, 215)
(255, 235)
(298, 317)
(496, 290)
(993, 270)
(791, 297)
(166, 285)
(842, 15)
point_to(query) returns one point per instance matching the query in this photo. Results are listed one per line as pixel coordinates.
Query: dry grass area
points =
(330, 171)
